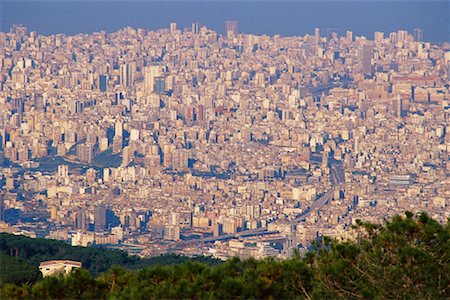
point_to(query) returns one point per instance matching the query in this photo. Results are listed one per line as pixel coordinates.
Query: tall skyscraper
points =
(366, 58)
(217, 229)
(195, 28)
(127, 74)
(124, 75)
(418, 34)
(316, 36)
(231, 26)
(150, 72)
(118, 128)
(401, 35)
(173, 28)
(103, 83)
(63, 174)
(100, 218)
(80, 221)
(349, 36)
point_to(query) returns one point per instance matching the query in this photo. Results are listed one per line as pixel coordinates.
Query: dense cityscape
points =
(192, 142)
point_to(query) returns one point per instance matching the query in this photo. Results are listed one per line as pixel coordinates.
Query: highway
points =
(259, 231)
(337, 176)
(317, 205)
(210, 239)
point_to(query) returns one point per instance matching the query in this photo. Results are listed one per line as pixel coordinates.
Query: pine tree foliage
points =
(405, 258)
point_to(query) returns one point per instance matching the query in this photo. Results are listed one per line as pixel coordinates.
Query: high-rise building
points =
(217, 229)
(80, 221)
(63, 174)
(418, 34)
(393, 37)
(447, 57)
(160, 85)
(100, 218)
(19, 105)
(117, 97)
(150, 72)
(76, 106)
(231, 26)
(103, 83)
(118, 128)
(172, 233)
(195, 28)
(85, 153)
(316, 36)
(63, 171)
(173, 28)
(126, 74)
(401, 35)
(117, 144)
(104, 218)
(19, 30)
(366, 59)
(378, 36)
(349, 36)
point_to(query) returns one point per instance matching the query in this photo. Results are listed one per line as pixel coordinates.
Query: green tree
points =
(18, 271)
(406, 258)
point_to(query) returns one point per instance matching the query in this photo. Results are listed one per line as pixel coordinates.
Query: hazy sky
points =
(295, 17)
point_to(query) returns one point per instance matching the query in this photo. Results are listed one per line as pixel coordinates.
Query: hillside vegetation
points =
(20, 257)
(406, 258)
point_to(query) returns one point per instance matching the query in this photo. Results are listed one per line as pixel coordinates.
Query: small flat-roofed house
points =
(55, 267)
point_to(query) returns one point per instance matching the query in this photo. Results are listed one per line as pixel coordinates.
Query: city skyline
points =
(266, 17)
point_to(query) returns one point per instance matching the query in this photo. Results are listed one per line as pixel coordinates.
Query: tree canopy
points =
(20, 257)
(405, 258)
